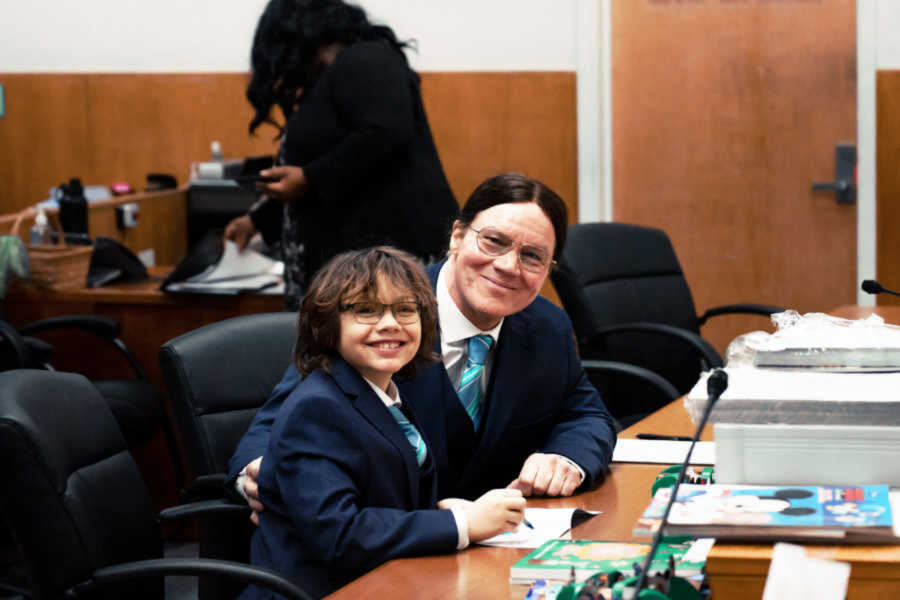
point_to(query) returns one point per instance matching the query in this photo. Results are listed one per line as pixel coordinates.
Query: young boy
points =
(347, 480)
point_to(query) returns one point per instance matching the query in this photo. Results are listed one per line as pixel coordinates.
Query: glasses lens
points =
(493, 242)
(367, 312)
(532, 259)
(406, 312)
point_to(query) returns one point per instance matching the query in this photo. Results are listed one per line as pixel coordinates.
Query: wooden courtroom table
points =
(148, 316)
(735, 571)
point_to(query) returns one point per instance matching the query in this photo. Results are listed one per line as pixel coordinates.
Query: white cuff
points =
(462, 527)
(574, 464)
(239, 483)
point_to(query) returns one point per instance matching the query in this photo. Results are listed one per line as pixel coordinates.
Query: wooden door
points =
(724, 113)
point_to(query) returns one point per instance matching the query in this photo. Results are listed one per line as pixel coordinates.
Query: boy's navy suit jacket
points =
(342, 489)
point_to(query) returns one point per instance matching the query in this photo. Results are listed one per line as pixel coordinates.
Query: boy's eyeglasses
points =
(494, 243)
(369, 313)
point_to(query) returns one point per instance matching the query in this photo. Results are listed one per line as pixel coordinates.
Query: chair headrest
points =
(64, 415)
(607, 251)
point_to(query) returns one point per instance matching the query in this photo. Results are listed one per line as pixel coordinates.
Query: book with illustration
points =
(849, 514)
(554, 559)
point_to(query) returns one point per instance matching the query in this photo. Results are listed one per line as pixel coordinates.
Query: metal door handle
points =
(844, 185)
(834, 186)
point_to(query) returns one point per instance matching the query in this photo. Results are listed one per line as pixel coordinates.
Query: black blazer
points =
(363, 140)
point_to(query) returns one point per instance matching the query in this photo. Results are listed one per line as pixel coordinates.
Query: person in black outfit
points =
(357, 165)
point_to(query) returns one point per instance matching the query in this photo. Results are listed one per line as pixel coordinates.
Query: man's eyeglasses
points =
(369, 313)
(494, 243)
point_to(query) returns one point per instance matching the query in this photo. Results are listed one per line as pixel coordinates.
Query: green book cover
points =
(554, 559)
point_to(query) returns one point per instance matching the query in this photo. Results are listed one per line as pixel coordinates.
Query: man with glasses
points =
(509, 404)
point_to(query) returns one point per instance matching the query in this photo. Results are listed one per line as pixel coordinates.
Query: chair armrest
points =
(14, 589)
(704, 348)
(103, 327)
(204, 508)
(646, 375)
(764, 310)
(191, 566)
(100, 326)
(205, 487)
(19, 348)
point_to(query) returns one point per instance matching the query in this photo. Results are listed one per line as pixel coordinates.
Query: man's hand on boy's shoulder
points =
(247, 485)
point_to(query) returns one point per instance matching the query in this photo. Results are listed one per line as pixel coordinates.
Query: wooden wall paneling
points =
(114, 127)
(119, 127)
(887, 120)
(143, 123)
(105, 128)
(487, 123)
(43, 136)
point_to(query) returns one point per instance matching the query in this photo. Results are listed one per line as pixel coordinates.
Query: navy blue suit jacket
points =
(342, 488)
(539, 400)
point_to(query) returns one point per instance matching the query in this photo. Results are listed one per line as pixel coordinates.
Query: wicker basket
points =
(56, 267)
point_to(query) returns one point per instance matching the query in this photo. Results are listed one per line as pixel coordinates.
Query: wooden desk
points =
(736, 572)
(148, 316)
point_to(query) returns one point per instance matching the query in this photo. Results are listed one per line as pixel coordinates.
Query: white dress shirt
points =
(392, 398)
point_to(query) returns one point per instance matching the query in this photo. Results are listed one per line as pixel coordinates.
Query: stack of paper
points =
(806, 398)
(236, 272)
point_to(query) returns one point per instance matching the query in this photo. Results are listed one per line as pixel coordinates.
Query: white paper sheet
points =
(235, 264)
(793, 574)
(549, 523)
(663, 452)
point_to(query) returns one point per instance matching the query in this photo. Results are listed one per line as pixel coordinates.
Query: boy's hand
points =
(497, 511)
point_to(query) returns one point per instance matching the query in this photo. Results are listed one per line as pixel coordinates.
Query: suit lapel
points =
(375, 412)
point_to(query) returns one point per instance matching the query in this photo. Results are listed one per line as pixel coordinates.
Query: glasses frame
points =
(363, 320)
(514, 245)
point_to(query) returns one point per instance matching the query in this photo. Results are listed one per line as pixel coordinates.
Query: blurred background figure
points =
(357, 165)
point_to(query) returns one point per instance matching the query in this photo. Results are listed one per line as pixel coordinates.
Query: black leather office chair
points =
(136, 404)
(76, 502)
(218, 376)
(623, 288)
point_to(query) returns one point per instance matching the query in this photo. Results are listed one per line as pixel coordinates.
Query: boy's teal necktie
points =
(469, 389)
(411, 433)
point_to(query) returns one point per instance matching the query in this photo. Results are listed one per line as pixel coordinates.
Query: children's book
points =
(554, 559)
(828, 514)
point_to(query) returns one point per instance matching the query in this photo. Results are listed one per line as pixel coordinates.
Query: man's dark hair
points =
(516, 187)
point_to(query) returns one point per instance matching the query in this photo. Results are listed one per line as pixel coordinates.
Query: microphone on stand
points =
(716, 385)
(870, 286)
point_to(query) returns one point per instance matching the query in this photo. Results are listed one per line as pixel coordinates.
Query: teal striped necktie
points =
(411, 433)
(469, 389)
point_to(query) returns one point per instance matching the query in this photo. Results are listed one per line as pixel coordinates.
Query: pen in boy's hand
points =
(527, 524)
